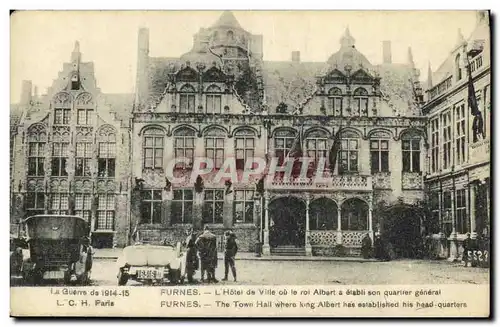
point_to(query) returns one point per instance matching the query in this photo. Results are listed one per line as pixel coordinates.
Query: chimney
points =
(296, 56)
(142, 77)
(26, 93)
(386, 52)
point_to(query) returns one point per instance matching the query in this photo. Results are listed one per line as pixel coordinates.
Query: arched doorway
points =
(287, 222)
(354, 215)
(323, 214)
(400, 226)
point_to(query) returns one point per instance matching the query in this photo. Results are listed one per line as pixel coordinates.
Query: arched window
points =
(153, 148)
(184, 147)
(230, 36)
(214, 146)
(85, 111)
(458, 67)
(411, 153)
(107, 152)
(349, 153)
(283, 142)
(360, 102)
(214, 99)
(187, 98)
(354, 215)
(335, 101)
(37, 140)
(62, 109)
(316, 145)
(75, 82)
(323, 214)
(245, 147)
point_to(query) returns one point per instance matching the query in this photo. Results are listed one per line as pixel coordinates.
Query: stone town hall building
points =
(105, 156)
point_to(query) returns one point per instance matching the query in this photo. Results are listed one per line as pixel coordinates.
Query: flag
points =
(334, 151)
(296, 152)
(477, 123)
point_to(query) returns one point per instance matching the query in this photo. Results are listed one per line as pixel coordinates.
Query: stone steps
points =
(289, 251)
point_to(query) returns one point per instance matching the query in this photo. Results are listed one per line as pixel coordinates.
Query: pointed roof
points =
(429, 77)
(347, 40)
(227, 19)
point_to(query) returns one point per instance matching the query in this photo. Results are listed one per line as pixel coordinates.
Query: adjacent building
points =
(109, 157)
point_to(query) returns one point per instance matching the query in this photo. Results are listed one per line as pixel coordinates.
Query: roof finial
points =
(347, 40)
(76, 55)
(77, 47)
(429, 77)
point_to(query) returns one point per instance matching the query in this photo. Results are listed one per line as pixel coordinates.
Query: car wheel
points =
(175, 276)
(122, 279)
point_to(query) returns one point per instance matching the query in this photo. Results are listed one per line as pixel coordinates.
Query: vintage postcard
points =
(250, 163)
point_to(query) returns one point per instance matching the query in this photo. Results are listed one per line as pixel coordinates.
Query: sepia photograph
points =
(182, 151)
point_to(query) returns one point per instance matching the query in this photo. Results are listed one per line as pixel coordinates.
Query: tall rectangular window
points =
(245, 150)
(36, 158)
(106, 212)
(62, 116)
(214, 150)
(379, 154)
(435, 145)
(107, 159)
(83, 159)
(411, 154)
(151, 207)
(243, 206)
(335, 105)
(461, 212)
(153, 149)
(213, 206)
(187, 103)
(182, 207)
(434, 206)
(214, 103)
(35, 203)
(447, 139)
(460, 129)
(85, 116)
(184, 148)
(316, 148)
(283, 142)
(447, 216)
(349, 154)
(83, 205)
(59, 204)
(59, 158)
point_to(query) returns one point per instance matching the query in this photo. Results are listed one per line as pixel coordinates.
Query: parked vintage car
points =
(59, 248)
(152, 264)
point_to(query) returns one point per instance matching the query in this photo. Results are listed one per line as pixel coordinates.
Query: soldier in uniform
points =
(230, 251)
(192, 261)
(207, 249)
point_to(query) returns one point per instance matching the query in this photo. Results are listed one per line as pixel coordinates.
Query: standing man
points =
(229, 254)
(192, 261)
(207, 248)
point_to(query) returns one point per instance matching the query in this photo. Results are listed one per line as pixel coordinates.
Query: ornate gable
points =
(187, 74)
(362, 77)
(214, 74)
(335, 76)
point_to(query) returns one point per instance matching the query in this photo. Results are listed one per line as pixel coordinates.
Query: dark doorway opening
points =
(287, 222)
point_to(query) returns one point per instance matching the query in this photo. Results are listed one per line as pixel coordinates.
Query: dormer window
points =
(187, 99)
(360, 102)
(335, 101)
(214, 99)
(458, 68)
(75, 82)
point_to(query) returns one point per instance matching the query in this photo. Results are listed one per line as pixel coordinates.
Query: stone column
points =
(339, 226)
(308, 233)
(228, 215)
(370, 218)
(472, 210)
(442, 236)
(266, 249)
(453, 235)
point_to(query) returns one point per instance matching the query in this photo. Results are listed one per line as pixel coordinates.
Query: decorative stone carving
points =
(412, 181)
(35, 185)
(84, 134)
(84, 186)
(153, 178)
(353, 238)
(61, 134)
(323, 237)
(84, 99)
(59, 185)
(106, 186)
(382, 180)
(62, 100)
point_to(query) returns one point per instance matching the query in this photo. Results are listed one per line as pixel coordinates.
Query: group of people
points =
(380, 249)
(202, 254)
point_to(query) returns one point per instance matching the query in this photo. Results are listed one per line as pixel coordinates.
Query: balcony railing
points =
(337, 182)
